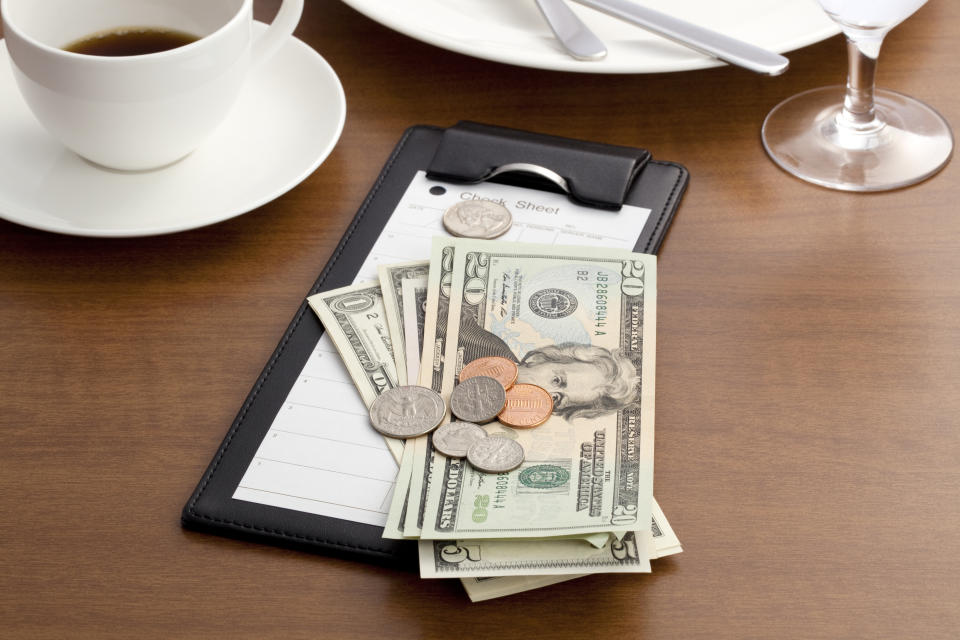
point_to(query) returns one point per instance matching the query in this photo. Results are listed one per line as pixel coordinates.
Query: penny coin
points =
(478, 399)
(407, 412)
(495, 454)
(500, 369)
(527, 406)
(454, 438)
(477, 219)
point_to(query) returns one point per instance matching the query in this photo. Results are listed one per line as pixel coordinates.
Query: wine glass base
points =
(800, 135)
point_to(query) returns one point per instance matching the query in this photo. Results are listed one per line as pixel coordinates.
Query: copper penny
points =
(527, 406)
(500, 369)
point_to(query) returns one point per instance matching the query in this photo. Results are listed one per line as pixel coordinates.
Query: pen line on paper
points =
(306, 466)
(309, 435)
(296, 497)
(325, 379)
(316, 406)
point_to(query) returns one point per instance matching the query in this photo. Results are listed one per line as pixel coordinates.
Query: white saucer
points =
(287, 120)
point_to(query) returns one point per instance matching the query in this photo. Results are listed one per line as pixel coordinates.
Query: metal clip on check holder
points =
(532, 169)
(589, 173)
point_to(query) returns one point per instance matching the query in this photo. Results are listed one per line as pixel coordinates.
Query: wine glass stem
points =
(858, 111)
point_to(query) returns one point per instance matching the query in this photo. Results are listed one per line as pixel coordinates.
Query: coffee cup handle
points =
(279, 30)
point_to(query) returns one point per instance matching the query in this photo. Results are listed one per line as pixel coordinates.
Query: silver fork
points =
(711, 43)
(576, 37)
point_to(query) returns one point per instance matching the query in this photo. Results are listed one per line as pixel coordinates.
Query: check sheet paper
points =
(321, 455)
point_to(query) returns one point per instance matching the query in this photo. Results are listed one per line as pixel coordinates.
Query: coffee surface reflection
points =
(130, 41)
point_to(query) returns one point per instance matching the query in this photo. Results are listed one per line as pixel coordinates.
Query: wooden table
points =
(808, 445)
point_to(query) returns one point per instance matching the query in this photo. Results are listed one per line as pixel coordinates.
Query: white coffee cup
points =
(136, 112)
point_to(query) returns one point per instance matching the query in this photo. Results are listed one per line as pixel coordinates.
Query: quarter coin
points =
(454, 438)
(407, 412)
(495, 454)
(527, 406)
(477, 219)
(500, 369)
(478, 399)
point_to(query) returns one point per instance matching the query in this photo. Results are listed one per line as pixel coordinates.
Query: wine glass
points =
(867, 139)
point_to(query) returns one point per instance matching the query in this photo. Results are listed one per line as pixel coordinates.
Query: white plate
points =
(513, 31)
(287, 120)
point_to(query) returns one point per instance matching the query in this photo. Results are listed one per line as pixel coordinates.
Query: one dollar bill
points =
(391, 286)
(355, 320)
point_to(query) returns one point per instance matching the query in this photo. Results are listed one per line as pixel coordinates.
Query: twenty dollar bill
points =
(581, 323)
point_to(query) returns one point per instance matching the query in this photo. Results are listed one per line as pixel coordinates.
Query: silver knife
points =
(705, 41)
(576, 37)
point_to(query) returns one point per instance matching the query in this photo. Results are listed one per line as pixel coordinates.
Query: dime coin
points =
(527, 406)
(407, 412)
(454, 438)
(495, 454)
(502, 370)
(478, 399)
(477, 219)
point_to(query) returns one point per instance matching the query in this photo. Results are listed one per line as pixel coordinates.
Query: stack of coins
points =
(490, 454)
(525, 405)
(487, 391)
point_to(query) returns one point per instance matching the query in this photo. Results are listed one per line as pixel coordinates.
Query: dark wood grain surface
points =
(808, 409)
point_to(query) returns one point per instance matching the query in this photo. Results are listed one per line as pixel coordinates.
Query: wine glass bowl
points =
(859, 138)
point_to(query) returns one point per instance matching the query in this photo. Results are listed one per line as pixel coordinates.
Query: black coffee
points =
(130, 41)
